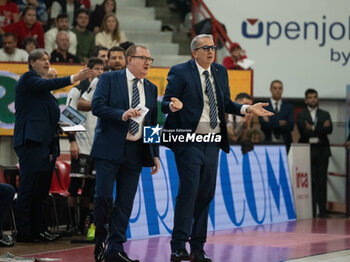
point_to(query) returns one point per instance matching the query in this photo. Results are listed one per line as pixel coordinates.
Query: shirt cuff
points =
(244, 109)
(72, 79)
(171, 108)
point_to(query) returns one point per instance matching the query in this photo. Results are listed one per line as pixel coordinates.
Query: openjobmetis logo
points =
(256, 29)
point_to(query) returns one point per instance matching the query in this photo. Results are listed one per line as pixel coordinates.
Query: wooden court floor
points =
(275, 242)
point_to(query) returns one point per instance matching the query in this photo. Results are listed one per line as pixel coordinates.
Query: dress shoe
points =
(324, 215)
(99, 252)
(179, 255)
(199, 256)
(6, 241)
(120, 257)
(47, 237)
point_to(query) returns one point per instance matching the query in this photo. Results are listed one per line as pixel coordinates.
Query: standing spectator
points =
(110, 35)
(10, 52)
(27, 26)
(278, 128)
(40, 5)
(61, 54)
(314, 124)
(107, 7)
(118, 149)
(202, 86)
(36, 142)
(9, 13)
(69, 7)
(86, 39)
(236, 55)
(29, 44)
(7, 192)
(50, 36)
(237, 126)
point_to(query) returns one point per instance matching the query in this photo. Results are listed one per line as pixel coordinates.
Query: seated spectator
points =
(237, 126)
(255, 136)
(40, 8)
(6, 197)
(62, 23)
(29, 44)
(86, 39)
(61, 54)
(237, 54)
(69, 7)
(110, 35)
(10, 52)
(27, 26)
(107, 7)
(9, 13)
(125, 45)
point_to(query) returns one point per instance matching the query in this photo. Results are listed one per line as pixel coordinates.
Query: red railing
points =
(200, 11)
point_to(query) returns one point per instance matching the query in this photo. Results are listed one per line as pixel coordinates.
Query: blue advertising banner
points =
(252, 189)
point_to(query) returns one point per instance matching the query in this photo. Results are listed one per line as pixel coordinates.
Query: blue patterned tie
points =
(212, 105)
(134, 126)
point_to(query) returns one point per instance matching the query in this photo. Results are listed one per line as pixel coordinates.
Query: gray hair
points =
(62, 32)
(195, 40)
(36, 54)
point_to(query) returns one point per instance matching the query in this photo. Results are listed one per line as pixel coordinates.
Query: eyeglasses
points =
(207, 47)
(144, 58)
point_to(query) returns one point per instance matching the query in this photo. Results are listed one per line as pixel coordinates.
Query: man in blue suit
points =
(118, 148)
(279, 127)
(196, 99)
(36, 142)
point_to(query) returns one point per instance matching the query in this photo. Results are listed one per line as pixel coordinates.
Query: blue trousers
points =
(36, 168)
(126, 174)
(197, 167)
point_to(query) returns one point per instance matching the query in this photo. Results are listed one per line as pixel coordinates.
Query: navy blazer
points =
(110, 101)
(320, 131)
(37, 112)
(184, 83)
(286, 113)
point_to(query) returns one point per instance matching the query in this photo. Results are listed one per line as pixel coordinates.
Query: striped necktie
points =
(134, 126)
(212, 105)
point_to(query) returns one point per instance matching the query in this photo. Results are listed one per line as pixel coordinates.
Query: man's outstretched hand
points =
(259, 110)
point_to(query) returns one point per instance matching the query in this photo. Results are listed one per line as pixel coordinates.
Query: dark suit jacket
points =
(286, 113)
(184, 83)
(110, 101)
(37, 111)
(320, 131)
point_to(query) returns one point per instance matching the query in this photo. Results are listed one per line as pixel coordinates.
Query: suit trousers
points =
(197, 165)
(36, 168)
(319, 169)
(6, 197)
(126, 174)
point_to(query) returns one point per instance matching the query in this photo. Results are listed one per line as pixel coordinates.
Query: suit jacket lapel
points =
(148, 93)
(196, 78)
(218, 91)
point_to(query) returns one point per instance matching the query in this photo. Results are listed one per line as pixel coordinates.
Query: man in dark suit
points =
(314, 125)
(36, 142)
(196, 99)
(118, 148)
(278, 127)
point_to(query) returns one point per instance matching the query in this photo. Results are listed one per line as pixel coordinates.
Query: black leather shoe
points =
(199, 256)
(47, 237)
(6, 241)
(120, 257)
(99, 252)
(179, 255)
